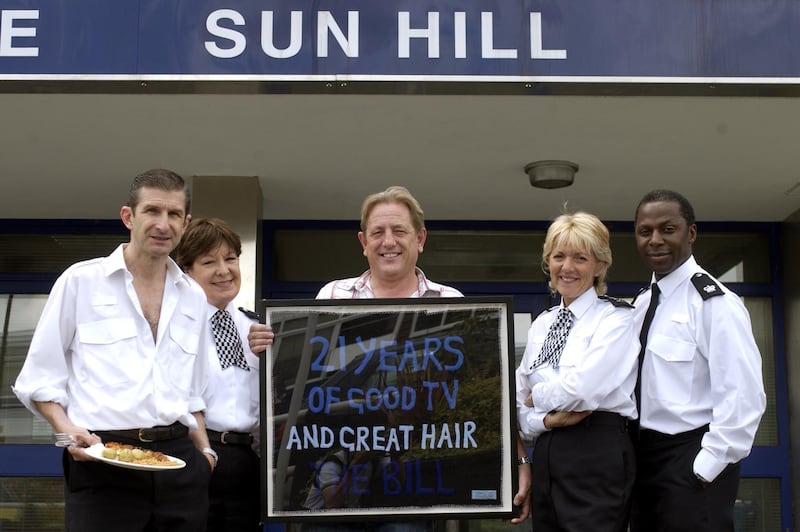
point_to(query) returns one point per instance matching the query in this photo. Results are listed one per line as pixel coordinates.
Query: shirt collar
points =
(364, 284)
(211, 309)
(116, 262)
(672, 280)
(582, 303)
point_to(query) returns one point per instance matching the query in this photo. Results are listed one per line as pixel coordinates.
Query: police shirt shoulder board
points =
(616, 302)
(706, 286)
(545, 311)
(641, 291)
(250, 314)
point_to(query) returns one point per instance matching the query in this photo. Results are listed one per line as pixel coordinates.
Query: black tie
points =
(226, 338)
(648, 319)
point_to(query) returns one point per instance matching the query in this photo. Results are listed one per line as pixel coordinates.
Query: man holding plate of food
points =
(119, 355)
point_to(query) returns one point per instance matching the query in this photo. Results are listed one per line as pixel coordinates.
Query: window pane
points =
(760, 309)
(522, 322)
(31, 504)
(510, 256)
(19, 314)
(448, 255)
(731, 257)
(51, 253)
(758, 505)
(317, 255)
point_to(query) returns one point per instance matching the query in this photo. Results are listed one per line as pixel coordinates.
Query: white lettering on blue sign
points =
(8, 31)
(460, 34)
(537, 50)
(488, 51)
(222, 24)
(295, 36)
(327, 24)
(238, 41)
(405, 33)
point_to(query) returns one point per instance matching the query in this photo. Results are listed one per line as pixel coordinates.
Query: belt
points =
(599, 418)
(654, 435)
(229, 437)
(151, 434)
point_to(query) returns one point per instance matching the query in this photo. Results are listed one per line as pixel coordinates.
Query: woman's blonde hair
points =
(581, 231)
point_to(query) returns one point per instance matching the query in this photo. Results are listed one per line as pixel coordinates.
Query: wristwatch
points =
(524, 460)
(211, 452)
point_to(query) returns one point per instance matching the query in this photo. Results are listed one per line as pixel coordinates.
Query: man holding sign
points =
(392, 236)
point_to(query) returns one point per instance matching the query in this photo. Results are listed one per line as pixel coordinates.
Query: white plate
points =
(96, 451)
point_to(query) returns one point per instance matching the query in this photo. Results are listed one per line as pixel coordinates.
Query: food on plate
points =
(135, 455)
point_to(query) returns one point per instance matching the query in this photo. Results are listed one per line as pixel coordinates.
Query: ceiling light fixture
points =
(551, 173)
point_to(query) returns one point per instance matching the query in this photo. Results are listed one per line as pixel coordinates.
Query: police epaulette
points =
(545, 311)
(641, 291)
(250, 314)
(706, 286)
(616, 302)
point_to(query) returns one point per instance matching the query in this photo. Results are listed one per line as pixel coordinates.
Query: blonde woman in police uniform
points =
(574, 396)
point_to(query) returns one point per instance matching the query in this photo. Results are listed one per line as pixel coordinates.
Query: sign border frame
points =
(509, 452)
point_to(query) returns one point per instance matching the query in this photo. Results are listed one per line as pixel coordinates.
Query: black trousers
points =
(669, 497)
(234, 493)
(101, 497)
(583, 476)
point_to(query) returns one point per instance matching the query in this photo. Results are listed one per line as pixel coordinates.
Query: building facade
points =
(285, 115)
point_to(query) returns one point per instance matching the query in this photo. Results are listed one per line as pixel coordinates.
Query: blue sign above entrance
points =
(652, 41)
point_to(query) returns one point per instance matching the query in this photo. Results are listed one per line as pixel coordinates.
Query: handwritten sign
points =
(397, 406)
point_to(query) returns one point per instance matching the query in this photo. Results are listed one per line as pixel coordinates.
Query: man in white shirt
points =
(119, 354)
(702, 394)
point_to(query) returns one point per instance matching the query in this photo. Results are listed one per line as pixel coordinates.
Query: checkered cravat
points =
(555, 339)
(229, 345)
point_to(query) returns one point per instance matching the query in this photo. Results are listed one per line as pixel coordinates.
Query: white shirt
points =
(361, 288)
(232, 395)
(93, 350)
(702, 366)
(597, 370)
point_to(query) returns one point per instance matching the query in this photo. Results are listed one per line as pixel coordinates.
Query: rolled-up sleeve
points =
(45, 371)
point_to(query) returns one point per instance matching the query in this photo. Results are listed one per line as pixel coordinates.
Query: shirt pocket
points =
(531, 354)
(108, 352)
(574, 351)
(672, 364)
(182, 357)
